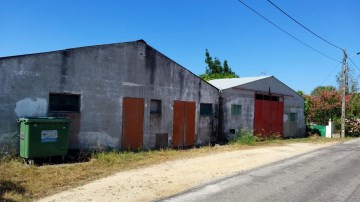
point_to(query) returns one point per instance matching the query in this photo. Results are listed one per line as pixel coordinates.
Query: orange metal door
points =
(178, 123)
(190, 123)
(133, 123)
(184, 124)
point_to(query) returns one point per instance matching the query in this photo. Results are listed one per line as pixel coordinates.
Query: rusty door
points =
(133, 123)
(189, 123)
(268, 117)
(178, 123)
(184, 124)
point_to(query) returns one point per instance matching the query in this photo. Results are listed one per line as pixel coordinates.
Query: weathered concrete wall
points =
(245, 96)
(103, 75)
(237, 122)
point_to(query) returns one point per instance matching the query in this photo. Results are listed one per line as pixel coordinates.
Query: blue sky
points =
(183, 29)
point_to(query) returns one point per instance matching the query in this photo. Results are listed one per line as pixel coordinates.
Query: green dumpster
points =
(321, 129)
(43, 137)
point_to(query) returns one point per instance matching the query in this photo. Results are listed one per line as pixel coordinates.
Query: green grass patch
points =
(245, 137)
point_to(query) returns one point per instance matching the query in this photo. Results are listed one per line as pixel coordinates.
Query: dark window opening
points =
(292, 117)
(235, 109)
(205, 109)
(259, 96)
(268, 97)
(155, 107)
(275, 98)
(64, 102)
(232, 131)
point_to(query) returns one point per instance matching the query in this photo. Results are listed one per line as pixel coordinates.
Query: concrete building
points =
(123, 96)
(262, 104)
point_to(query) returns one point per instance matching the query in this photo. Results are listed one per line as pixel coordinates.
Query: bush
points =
(352, 127)
(244, 136)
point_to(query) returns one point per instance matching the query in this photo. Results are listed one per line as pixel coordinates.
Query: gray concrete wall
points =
(237, 122)
(102, 75)
(245, 94)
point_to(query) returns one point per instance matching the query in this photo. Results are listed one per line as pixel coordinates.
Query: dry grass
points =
(19, 182)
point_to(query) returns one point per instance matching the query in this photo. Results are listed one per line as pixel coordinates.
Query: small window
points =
(292, 117)
(232, 131)
(64, 102)
(155, 107)
(259, 96)
(235, 109)
(266, 97)
(269, 97)
(275, 98)
(205, 109)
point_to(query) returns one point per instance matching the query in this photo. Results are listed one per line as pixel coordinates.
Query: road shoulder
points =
(168, 178)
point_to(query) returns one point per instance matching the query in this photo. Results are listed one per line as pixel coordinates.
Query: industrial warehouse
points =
(130, 96)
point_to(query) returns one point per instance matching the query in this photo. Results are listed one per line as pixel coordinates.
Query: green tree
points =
(323, 105)
(354, 106)
(352, 84)
(319, 89)
(306, 104)
(216, 70)
(300, 92)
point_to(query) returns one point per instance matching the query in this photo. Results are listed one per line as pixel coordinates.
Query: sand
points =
(168, 178)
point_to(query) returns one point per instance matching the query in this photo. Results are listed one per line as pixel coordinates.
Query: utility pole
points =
(343, 104)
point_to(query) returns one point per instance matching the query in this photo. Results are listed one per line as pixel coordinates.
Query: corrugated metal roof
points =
(229, 83)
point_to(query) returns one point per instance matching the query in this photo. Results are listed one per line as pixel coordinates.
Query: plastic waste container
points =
(43, 137)
(319, 129)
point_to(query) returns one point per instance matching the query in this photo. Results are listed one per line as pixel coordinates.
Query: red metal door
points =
(262, 117)
(258, 122)
(268, 117)
(277, 115)
(133, 123)
(184, 124)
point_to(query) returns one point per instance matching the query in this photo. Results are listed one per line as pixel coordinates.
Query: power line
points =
(332, 71)
(304, 26)
(353, 63)
(287, 32)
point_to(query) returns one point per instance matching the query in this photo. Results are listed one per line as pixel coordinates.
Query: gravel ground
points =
(165, 179)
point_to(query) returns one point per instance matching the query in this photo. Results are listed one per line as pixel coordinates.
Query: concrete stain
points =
(150, 62)
(64, 68)
(31, 107)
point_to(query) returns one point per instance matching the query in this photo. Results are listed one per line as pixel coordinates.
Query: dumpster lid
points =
(44, 120)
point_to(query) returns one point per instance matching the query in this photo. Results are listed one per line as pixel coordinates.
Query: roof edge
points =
(183, 67)
(67, 49)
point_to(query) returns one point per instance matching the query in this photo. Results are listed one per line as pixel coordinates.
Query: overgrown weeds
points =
(244, 136)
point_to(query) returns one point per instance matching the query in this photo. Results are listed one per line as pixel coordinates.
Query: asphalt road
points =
(328, 174)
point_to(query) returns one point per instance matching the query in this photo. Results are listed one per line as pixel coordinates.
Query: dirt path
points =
(172, 177)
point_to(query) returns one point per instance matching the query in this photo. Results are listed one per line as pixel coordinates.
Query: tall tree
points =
(319, 89)
(352, 83)
(216, 70)
(323, 105)
(354, 106)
